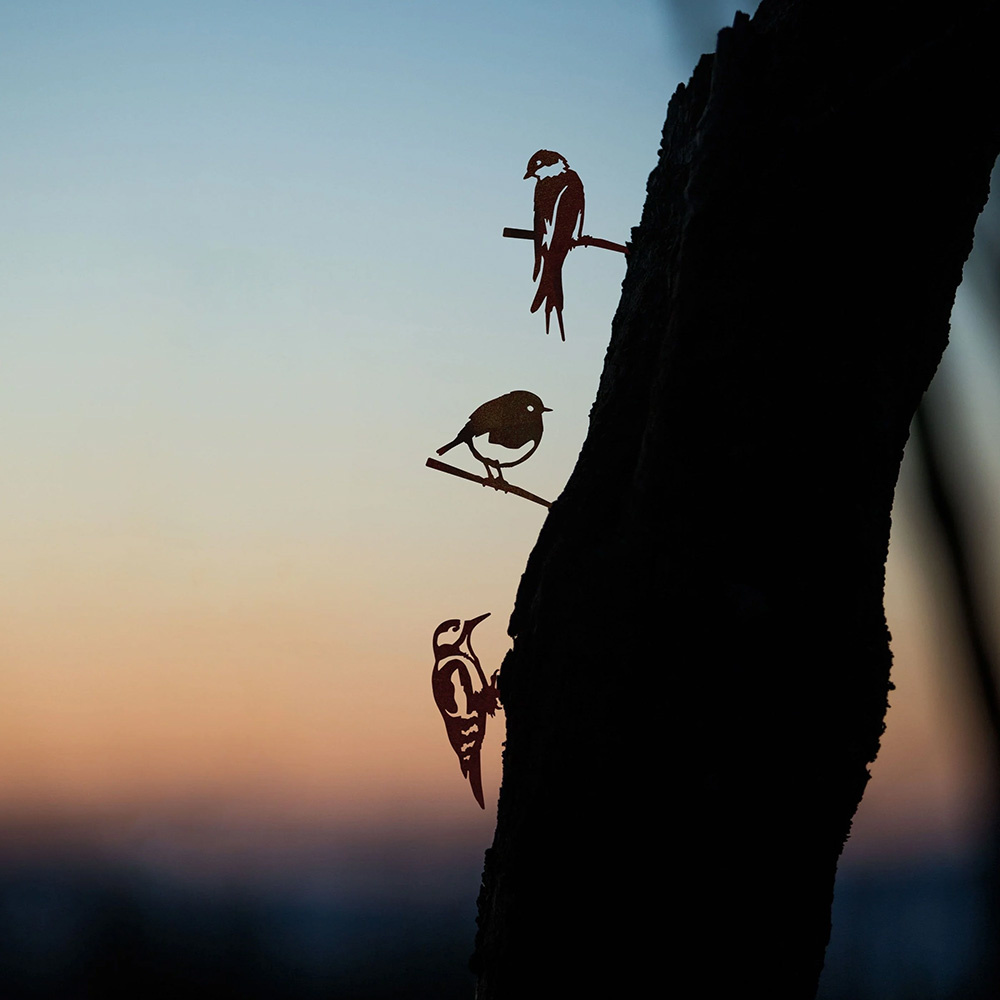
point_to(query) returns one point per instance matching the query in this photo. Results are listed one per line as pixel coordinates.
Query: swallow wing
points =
(539, 230)
(567, 213)
(547, 190)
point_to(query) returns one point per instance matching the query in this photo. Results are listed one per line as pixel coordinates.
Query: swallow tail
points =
(550, 292)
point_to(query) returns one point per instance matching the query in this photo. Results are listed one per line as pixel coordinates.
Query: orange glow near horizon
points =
(197, 685)
(306, 691)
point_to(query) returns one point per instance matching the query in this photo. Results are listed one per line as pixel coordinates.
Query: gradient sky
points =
(252, 277)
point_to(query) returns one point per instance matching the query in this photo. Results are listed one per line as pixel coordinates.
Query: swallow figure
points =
(464, 697)
(511, 421)
(558, 215)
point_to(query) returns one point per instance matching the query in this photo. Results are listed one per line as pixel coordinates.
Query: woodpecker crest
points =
(463, 696)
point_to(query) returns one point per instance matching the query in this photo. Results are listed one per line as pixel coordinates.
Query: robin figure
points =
(511, 421)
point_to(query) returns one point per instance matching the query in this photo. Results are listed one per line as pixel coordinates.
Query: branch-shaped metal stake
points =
(583, 241)
(511, 421)
(559, 205)
(497, 484)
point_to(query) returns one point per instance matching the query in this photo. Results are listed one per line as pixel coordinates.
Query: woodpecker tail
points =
(476, 780)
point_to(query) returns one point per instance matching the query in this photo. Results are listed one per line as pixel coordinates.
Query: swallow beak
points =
(527, 175)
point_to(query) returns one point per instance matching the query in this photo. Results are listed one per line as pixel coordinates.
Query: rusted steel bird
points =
(464, 697)
(511, 421)
(558, 224)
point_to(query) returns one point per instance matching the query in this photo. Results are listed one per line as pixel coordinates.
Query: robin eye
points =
(531, 409)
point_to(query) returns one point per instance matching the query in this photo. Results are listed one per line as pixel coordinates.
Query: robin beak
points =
(546, 409)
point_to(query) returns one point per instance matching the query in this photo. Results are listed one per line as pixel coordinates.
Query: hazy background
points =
(252, 276)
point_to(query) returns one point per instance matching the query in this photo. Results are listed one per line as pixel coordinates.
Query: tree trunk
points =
(701, 660)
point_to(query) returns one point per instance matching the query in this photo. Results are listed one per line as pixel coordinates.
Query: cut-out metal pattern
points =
(559, 207)
(558, 228)
(508, 423)
(464, 696)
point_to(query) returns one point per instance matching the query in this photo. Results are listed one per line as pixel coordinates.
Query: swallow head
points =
(545, 163)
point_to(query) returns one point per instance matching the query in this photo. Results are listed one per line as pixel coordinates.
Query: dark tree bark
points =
(701, 660)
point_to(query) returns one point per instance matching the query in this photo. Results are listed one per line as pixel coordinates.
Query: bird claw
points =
(497, 482)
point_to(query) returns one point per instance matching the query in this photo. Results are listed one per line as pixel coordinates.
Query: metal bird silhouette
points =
(464, 697)
(511, 421)
(559, 209)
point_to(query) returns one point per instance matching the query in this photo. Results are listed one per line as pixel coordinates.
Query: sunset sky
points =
(252, 278)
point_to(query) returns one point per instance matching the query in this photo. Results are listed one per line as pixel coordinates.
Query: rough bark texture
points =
(701, 661)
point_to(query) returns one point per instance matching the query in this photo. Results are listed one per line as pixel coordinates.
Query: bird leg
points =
(493, 479)
(492, 693)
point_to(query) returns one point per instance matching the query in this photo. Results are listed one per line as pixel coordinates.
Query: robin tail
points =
(461, 436)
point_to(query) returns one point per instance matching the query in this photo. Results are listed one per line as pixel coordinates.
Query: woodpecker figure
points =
(511, 420)
(464, 697)
(558, 214)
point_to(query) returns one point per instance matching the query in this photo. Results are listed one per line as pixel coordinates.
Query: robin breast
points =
(500, 453)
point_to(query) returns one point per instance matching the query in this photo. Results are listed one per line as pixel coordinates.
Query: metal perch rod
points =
(583, 241)
(497, 484)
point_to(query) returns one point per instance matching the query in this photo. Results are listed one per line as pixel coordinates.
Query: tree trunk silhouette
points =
(701, 661)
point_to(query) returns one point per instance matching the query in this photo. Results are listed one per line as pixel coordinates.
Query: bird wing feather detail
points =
(567, 214)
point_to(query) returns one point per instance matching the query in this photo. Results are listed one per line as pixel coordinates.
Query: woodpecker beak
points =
(473, 622)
